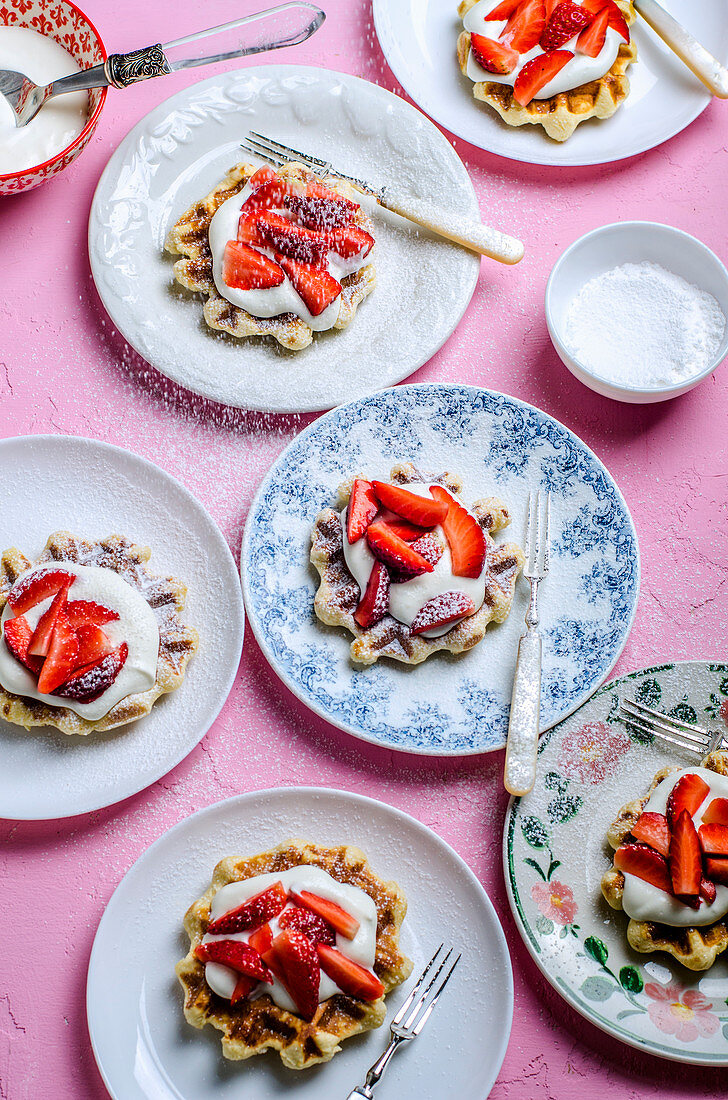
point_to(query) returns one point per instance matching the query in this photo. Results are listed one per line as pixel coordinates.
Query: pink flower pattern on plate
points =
(589, 753)
(555, 900)
(686, 1015)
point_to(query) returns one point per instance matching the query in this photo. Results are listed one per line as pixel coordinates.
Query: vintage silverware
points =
(685, 735)
(294, 22)
(700, 62)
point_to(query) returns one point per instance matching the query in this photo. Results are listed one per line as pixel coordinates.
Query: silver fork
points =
(685, 735)
(478, 238)
(521, 749)
(409, 1021)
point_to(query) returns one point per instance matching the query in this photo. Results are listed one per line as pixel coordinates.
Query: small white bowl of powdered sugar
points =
(637, 311)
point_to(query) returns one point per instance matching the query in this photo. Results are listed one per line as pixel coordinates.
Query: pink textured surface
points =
(64, 369)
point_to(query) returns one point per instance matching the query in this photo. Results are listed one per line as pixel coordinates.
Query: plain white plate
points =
(177, 154)
(418, 38)
(94, 489)
(146, 1051)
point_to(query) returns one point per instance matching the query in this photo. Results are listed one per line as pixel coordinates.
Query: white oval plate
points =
(94, 489)
(419, 37)
(178, 153)
(146, 1051)
(500, 446)
(555, 853)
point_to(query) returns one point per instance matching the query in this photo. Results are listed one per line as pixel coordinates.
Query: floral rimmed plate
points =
(499, 446)
(555, 853)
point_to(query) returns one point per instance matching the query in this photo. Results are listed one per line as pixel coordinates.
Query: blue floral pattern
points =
(499, 446)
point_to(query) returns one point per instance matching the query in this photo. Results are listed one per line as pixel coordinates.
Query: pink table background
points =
(64, 369)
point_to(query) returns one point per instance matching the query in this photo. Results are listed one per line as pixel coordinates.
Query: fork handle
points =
(374, 1075)
(472, 235)
(522, 746)
(700, 62)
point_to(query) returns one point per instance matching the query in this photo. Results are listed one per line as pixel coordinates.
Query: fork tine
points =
(252, 147)
(423, 996)
(677, 722)
(287, 149)
(641, 728)
(428, 1011)
(547, 526)
(400, 1015)
(527, 539)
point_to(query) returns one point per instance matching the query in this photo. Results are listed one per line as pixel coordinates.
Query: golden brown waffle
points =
(189, 238)
(338, 594)
(252, 1027)
(695, 948)
(165, 595)
(560, 114)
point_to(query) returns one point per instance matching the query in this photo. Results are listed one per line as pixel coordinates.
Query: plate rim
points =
(239, 608)
(270, 71)
(314, 791)
(561, 988)
(293, 687)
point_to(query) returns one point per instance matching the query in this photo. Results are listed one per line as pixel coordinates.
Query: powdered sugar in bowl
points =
(638, 311)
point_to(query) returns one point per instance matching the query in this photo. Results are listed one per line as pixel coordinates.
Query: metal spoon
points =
(122, 69)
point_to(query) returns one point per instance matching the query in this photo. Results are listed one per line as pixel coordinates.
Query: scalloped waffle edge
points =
(338, 594)
(165, 595)
(560, 114)
(188, 237)
(253, 1027)
(695, 948)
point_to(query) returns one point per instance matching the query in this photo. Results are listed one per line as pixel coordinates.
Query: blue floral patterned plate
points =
(555, 852)
(499, 446)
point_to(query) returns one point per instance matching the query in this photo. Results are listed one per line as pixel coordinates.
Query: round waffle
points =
(188, 237)
(694, 947)
(560, 114)
(165, 595)
(252, 1027)
(338, 594)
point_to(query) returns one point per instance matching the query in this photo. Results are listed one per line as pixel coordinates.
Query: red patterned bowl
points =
(69, 27)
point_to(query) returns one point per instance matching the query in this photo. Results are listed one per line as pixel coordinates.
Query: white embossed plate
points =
(178, 153)
(555, 852)
(499, 446)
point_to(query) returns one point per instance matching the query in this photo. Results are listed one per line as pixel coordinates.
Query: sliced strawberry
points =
(290, 239)
(592, 38)
(248, 231)
(616, 19)
(374, 604)
(350, 977)
(686, 867)
(252, 913)
(244, 268)
(294, 961)
(464, 536)
(566, 20)
(714, 839)
(651, 828)
(422, 511)
(525, 27)
(237, 955)
(428, 547)
(18, 635)
(337, 917)
(41, 641)
(407, 531)
(89, 682)
(537, 73)
(717, 812)
(316, 288)
(441, 610)
(270, 194)
(687, 794)
(62, 657)
(313, 926)
(394, 551)
(644, 863)
(550, 5)
(81, 612)
(264, 174)
(318, 190)
(717, 870)
(361, 510)
(504, 10)
(494, 57)
(350, 240)
(93, 645)
(320, 213)
(36, 587)
(261, 939)
(708, 891)
(243, 987)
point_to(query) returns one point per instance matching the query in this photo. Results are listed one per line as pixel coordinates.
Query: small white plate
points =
(185, 146)
(145, 1050)
(93, 490)
(419, 38)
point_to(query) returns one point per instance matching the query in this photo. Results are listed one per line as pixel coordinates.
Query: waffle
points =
(560, 114)
(252, 1027)
(695, 948)
(165, 595)
(338, 594)
(188, 237)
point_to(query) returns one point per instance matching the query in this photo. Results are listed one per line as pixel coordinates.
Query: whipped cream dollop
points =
(580, 70)
(408, 597)
(274, 300)
(362, 948)
(136, 625)
(58, 122)
(642, 900)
